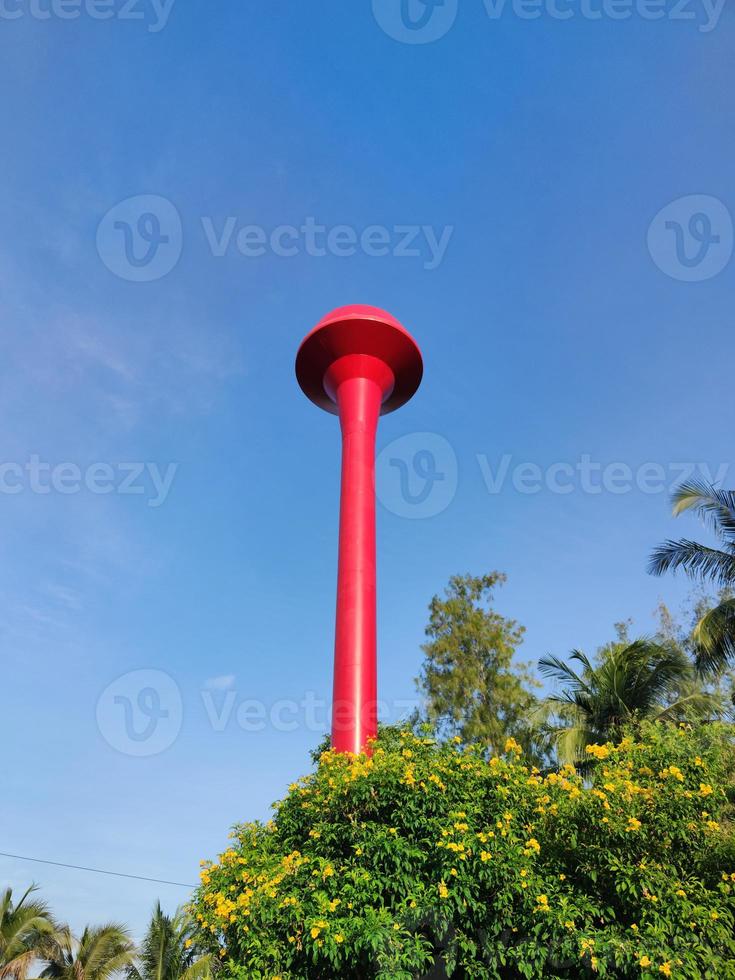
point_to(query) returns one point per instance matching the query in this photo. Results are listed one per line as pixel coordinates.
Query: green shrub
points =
(429, 857)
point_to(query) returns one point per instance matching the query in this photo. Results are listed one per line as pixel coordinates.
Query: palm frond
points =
(701, 704)
(200, 969)
(100, 953)
(25, 926)
(17, 966)
(169, 950)
(559, 670)
(569, 735)
(714, 638)
(716, 507)
(665, 668)
(640, 679)
(696, 560)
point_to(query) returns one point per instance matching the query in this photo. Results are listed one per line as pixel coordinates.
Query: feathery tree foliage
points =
(472, 687)
(628, 682)
(714, 634)
(26, 927)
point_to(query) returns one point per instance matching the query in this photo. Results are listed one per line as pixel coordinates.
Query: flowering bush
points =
(429, 857)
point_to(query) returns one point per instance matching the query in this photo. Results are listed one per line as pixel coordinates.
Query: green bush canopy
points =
(431, 860)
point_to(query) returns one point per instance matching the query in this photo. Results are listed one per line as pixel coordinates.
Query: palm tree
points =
(170, 950)
(25, 928)
(714, 634)
(631, 681)
(100, 953)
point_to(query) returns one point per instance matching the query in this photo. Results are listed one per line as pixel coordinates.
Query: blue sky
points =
(558, 322)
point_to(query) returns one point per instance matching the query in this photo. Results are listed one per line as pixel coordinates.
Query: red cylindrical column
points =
(354, 707)
(359, 384)
(359, 363)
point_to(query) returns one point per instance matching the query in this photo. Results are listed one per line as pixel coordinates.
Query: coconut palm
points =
(98, 954)
(170, 950)
(630, 681)
(714, 634)
(26, 927)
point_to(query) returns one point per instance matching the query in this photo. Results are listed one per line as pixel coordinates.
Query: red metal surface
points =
(359, 363)
(359, 330)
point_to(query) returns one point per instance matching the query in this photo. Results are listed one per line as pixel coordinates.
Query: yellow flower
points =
(705, 789)
(543, 903)
(315, 932)
(338, 937)
(633, 824)
(714, 916)
(673, 771)
(681, 893)
(485, 856)
(665, 968)
(512, 746)
(443, 890)
(645, 961)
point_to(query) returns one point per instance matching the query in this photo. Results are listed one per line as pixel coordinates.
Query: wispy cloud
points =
(221, 683)
(64, 596)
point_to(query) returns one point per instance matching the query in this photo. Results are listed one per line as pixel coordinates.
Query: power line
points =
(97, 871)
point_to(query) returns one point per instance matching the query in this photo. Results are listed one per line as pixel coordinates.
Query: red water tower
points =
(358, 363)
